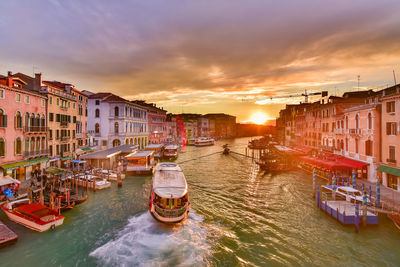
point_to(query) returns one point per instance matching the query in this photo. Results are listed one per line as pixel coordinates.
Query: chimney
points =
(37, 82)
(9, 74)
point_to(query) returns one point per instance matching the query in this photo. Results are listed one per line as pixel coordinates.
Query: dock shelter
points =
(108, 158)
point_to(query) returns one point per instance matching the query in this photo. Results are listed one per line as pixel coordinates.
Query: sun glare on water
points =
(259, 117)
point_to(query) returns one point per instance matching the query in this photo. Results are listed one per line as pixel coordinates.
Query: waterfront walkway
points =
(389, 196)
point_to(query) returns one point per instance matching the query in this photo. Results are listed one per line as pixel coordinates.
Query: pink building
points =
(390, 167)
(23, 129)
(157, 126)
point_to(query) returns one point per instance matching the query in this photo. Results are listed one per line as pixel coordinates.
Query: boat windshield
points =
(171, 203)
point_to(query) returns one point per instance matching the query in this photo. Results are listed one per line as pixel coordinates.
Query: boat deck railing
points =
(170, 213)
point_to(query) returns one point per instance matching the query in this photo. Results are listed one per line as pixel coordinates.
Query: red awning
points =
(303, 149)
(355, 164)
(326, 164)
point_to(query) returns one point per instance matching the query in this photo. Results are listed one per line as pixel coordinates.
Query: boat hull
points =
(173, 220)
(31, 224)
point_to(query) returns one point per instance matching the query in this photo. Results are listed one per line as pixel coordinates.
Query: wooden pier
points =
(7, 237)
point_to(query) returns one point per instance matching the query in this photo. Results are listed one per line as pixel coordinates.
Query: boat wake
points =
(145, 242)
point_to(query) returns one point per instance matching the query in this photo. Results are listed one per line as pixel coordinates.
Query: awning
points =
(79, 151)
(389, 170)
(8, 180)
(326, 164)
(355, 164)
(55, 170)
(303, 149)
(78, 161)
(87, 149)
(67, 158)
(20, 164)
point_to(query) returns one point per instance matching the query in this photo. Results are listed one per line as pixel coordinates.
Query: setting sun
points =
(259, 117)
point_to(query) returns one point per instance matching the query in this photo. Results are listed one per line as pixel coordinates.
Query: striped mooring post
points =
(348, 181)
(356, 218)
(353, 177)
(363, 188)
(334, 181)
(329, 178)
(364, 208)
(370, 193)
(378, 192)
(314, 180)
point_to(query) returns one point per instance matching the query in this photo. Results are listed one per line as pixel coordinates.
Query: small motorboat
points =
(191, 142)
(204, 141)
(171, 152)
(112, 176)
(169, 198)
(226, 149)
(34, 216)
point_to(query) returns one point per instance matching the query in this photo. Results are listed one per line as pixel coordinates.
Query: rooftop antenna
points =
(358, 78)
(394, 77)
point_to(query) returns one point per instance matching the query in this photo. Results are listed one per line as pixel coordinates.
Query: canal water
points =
(239, 217)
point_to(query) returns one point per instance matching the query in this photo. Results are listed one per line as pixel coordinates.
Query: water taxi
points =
(140, 162)
(191, 141)
(157, 148)
(204, 141)
(346, 192)
(34, 216)
(169, 198)
(171, 152)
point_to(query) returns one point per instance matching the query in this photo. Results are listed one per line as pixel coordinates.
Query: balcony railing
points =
(65, 138)
(355, 131)
(391, 160)
(36, 153)
(64, 123)
(36, 129)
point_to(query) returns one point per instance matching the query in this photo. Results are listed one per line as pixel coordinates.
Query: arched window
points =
(32, 120)
(333, 143)
(37, 143)
(26, 147)
(37, 120)
(116, 111)
(43, 144)
(116, 127)
(43, 121)
(357, 121)
(131, 127)
(3, 119)
(369, 121)
(18, 120)
(18, 146)
(26, 122)
(116, 142)
(97, 128)
(347, 122)
(341, 144)
(127, 141)
(97, 113)
(2, 147)
(32, 144)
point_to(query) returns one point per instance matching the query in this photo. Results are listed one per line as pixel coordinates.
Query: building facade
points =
(114, 121)
(156, 122)
(23, 129)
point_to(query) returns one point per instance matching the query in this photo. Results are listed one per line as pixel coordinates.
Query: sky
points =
(207, 55)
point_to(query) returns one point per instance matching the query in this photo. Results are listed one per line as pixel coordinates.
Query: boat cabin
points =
(157, 148)
(171, 151)
(140, 162)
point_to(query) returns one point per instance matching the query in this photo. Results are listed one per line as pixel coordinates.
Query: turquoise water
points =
(239, 217)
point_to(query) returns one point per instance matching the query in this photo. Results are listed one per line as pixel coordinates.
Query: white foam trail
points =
(145, 242)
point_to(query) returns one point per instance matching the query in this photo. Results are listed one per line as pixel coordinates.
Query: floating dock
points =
(345, 212)
(7, 237)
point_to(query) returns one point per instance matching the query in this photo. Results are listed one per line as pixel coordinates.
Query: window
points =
(58, 117)
(116, 111)
(392, 181)
(3, 119)
(18, 146)
(390, 107)
(27, 99)
(51, 150)
(2, 147)
(97, 113)
(18, 97)
(51, 116)
(116, 127)
(58, 101)
(357, 121)
(50, 100)
(50, 134)
(347, 122)
(369, 121)
(391, 128)
(18, 120)
(1, 93)
(97, 128)
(356, 142)
(26, 148)
(104, 143)
(74, 119)
(97, 102)
(368, 148)
(43, 102)
(392, 154)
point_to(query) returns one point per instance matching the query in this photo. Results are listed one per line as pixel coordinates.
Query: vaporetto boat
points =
(169, 199)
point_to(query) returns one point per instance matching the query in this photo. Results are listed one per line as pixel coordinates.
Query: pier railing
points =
(170, 213)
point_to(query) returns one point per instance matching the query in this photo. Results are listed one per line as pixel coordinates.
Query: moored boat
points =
(34, 216)
(169, 198)
(157, 148)
(171, 152)
(191, 141)
(140, 162)
(204, 141)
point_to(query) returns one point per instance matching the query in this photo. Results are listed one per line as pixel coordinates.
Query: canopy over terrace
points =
(108, 158)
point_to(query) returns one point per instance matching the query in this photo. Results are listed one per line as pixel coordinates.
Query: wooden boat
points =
(191, 141)
(171, 152)
(7, 237)
(80, 199)
(157, 148)
(140, 162)
(34, 216)
(226, 149)
(169, 198)
(204, 141)
(100, 183)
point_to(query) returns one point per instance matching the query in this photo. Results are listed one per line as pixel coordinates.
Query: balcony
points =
(65, 138)
(36, 129)
(32, 154)
(338, 131)
(391, 161)
(355, 131)
(64, 123)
